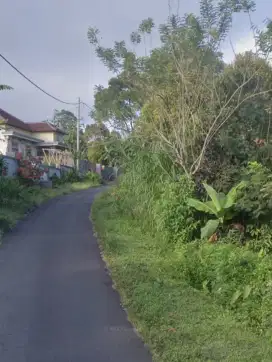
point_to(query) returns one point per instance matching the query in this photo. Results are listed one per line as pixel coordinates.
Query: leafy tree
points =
(182, 98)
(145, 28)
(251, 120)
(264, 38)
(135, 38)
(104, 145)
(96, 131)
(118, 105)
(96, 152)
(67, 121)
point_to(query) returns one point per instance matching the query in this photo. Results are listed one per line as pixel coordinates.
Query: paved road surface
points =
(56, 300)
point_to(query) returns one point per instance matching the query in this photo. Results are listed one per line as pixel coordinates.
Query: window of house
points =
(59, 137)
(14, 145)
(28, 151)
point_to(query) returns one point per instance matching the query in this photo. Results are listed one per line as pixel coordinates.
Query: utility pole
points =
(78, 129)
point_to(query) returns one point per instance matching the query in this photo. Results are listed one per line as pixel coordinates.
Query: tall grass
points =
(178, 321)
(190, 300)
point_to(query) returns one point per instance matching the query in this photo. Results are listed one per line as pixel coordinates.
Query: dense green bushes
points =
(195, 126)
(93, 177)
(237, 278)
(235, 267)
(167, 291)
(174, 219)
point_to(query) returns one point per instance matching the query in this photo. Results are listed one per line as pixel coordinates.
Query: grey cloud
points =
(47, 41)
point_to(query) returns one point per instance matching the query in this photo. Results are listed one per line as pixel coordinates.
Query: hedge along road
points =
(56, 299)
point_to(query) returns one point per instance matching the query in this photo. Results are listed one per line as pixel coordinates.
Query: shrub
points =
(174, 218)
(3, 166)
(56, 181)
(71, 176)
(66, 177)
(141, 186)
(255, 201)
(7, 220)
(261, 237)
(30, 171)
(11, 191)
(237, 278)
(93, 177)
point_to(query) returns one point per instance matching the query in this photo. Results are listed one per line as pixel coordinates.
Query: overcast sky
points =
(47, 41)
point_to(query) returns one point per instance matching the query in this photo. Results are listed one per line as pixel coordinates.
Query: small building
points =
(41, 139)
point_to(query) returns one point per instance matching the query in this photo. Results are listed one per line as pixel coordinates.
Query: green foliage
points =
(210, 228)
(179, 322)
(197, 122)
(97, 152)
(13, 193)
(96, 131)
(255, 200)
(261, 238)
(221, 206)
(186, 116)
(67, 121)
(3, 166)
(71, 176)
(56, 181)
(93, 177)
(237, 278)
(173, 216)
(16, 199)
(5, 87)
(74, 177)
(118, 104)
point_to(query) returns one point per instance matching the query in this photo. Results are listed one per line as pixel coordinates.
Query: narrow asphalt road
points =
(56, 299)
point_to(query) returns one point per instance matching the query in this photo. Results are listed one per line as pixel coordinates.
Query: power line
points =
(38, 87)
(33, 83)
(85, 104)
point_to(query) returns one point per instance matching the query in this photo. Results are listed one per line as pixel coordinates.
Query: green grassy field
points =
(178, 322)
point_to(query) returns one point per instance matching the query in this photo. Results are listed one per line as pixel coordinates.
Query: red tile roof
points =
(27, 126)
(43, 127)
(13, 121)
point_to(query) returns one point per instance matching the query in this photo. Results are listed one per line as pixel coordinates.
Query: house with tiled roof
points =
(29, 139)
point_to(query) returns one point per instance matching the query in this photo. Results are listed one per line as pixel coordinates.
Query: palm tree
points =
(5, 87)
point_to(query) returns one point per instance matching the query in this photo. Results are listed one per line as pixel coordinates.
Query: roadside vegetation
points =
(187, 230)
(20, 195)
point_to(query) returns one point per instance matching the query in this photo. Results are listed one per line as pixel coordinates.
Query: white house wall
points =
(3, 142)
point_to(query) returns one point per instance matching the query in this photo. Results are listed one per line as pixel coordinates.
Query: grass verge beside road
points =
(178, 322)
(17, 200)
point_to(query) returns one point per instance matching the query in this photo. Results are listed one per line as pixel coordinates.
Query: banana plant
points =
(220, 205)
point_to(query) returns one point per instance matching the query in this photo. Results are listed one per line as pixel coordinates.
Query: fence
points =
(12, 166)
(109, 173)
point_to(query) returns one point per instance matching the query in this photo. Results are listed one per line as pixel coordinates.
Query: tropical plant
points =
(3, 166)
(221, 206)
(93, 177)
(5, 87)
(255, 199)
